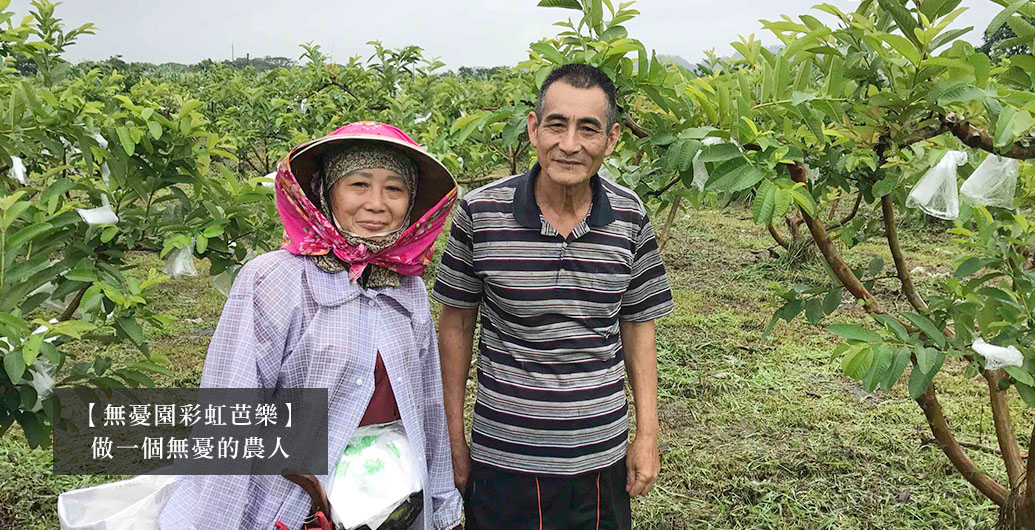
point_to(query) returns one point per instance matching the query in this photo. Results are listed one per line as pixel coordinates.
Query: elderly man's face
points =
(370, 201)
(573, 137)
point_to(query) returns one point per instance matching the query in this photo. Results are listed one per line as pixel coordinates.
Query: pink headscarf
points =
(308, 232)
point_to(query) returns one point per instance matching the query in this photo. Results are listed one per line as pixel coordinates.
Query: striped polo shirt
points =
(551, 371)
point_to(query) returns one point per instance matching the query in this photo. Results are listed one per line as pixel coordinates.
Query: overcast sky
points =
(459, 32)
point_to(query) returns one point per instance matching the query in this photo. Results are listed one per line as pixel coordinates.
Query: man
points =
(565, 269)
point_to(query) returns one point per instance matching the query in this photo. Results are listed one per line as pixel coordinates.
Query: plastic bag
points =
(132, 504)
(180, 262)
(700, 171)
(376, 474)
(18, 170)
(997, 357)
(103, 214)
(993, 183)
(42, 381)
(936, 192)
(812, 174)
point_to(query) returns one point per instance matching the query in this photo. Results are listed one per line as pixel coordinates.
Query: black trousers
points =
(503, 500)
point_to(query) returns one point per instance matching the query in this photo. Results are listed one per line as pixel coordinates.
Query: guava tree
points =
(89, 174)
(854, 112)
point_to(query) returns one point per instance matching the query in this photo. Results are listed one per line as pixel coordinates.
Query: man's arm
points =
(455, 345)
(641, 363)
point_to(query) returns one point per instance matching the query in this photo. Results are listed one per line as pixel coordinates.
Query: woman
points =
(341, 306)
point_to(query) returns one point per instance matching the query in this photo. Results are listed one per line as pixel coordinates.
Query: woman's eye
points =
(395, 189)
(359, 184)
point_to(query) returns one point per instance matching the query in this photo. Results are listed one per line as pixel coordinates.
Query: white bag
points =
(936, 192)
(700, 171)
(132, 504)
(993, 183)
(374, 476)
(17, 171)
(103, 214)
(180, 262)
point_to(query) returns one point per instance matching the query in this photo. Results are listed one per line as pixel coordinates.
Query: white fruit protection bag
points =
(132, 504)
(376, 473)
(936, 192)
(700, 171)
(993, 183)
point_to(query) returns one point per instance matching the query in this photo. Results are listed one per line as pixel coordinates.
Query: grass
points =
(758, 431)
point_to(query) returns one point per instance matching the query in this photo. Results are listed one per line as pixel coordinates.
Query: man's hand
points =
(641, 361)
(643, 464)
(461, 464)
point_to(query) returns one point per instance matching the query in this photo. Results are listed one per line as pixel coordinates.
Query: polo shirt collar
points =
(527, 213)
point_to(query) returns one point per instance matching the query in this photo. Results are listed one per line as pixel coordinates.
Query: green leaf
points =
(101, 365)
(14, 364)
(765, 201)
(131, 328)
(155, 129)
(719, 153)
(927, 358)
(31, 348)
(919, 381)
(804, 199)
(970, 266)
(959, 92)
(925, 325)
(883, 357)
(903, 18)
(897, 328)
(1004, 126)
(1003, 15)
(30, 424)
(1027, 393)
(898, 366)
(876, 265)
(1018, 373)
(854, 332)
(832, 301)
(903, 46)
(797, 98)
(109, 233)
(814, 311)
(733, 175)
(126, 140)
(26, 234)
(857, 361)
(550, 53)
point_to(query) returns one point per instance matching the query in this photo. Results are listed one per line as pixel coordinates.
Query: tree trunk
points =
(1017, 513)
(672, 212)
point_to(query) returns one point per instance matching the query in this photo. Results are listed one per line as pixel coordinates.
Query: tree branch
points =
(904, 277)
(851, 215)
(1004, 429)
(927, 439)
(634, 127)
(73, 305)
(833, 257)
(948, 444)
(665, 188)
(672, 212)
(981, 139)
(780, 240)
(1030, 471)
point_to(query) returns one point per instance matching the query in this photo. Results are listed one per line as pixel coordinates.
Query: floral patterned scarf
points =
(307, 231)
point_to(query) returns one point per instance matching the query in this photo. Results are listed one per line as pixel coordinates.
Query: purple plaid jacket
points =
(289, 324)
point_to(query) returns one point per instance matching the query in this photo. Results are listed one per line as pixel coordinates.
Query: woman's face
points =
(370, 201)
